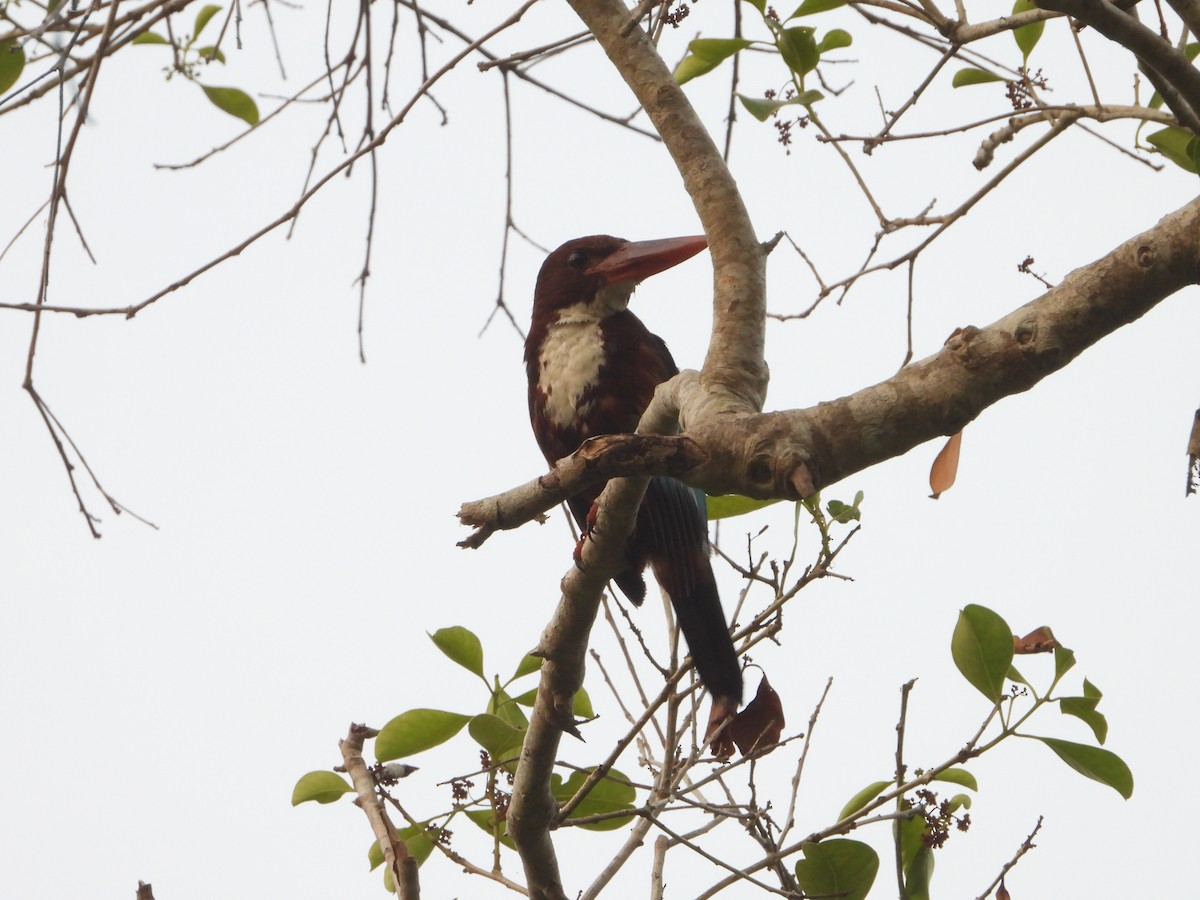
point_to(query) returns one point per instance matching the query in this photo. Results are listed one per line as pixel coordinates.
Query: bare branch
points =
(1025, 847)
(395, 853)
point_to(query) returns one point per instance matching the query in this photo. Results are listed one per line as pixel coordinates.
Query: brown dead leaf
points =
(945, 467)
(1040, 640)
(760, 724)
(1002, 892)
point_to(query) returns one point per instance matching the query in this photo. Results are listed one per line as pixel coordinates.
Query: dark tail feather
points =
(702, 621)
(678, 552)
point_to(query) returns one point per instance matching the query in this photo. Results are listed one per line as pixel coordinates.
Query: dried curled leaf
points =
(1040, 640)
(945, 467)
(760, 724)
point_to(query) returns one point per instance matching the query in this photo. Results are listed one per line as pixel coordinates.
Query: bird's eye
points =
(577, 260)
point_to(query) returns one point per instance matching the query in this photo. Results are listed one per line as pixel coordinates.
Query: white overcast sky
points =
(164, 689)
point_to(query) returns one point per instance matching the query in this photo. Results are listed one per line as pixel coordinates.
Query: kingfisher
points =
(592, 368)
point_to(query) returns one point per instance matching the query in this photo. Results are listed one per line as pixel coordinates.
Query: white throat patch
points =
(569, 362)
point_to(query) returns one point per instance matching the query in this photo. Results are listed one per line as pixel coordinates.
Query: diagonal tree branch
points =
(771, 454)
(728, 445)
(533, 810)
(1148, 47)
(734, 374)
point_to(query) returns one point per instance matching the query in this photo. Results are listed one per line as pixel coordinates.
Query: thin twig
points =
(1026, 846)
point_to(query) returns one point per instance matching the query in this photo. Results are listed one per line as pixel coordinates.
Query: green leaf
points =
(842, 513)
(612, 793)
(918, 874)
(202, 18)
(726, 506)
(863, 797)
(1027, 36)
(581, 705)
(692, 67)
(760, 5)
(982, 647)
(834, 39)
(529, 663)
(501, 740)
(416, 730)
(462, 646)
(799, 49)
(149, 37)
(761, 110)
(1173, 143)
(1064, 661)
(811, 7)
(12, 63)
(486, 819)
(323, 787)
(916, 857)
(960, 801)
(1084, 708)
(961, 777)
(911, 835)
(718, 49)
(211, 53)
(234, 101)
(1096, 763)
(705, 54)
(965, 77)
(505, 707)
(418, 840)
(1014, 675)
(838, 868)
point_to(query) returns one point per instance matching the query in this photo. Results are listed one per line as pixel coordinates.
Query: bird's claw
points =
(589, 528)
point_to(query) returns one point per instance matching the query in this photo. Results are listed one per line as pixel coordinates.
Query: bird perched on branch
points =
(593, 367)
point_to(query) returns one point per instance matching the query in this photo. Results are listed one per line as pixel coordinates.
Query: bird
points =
(592, 367)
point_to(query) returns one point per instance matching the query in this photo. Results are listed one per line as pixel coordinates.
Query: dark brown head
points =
(599, 272)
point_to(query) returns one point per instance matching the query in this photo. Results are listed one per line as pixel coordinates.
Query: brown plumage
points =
(592, 368)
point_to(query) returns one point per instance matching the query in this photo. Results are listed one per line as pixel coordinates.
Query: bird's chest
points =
(569, 365)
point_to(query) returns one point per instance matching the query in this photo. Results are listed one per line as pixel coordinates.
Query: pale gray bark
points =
(729, 446)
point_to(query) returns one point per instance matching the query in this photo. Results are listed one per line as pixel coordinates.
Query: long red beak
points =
(641, 259)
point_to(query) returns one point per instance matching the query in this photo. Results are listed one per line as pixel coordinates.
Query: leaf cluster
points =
(189, 60)
(497, 732)
(796, 45)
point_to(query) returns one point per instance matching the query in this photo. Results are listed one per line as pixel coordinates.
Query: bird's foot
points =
(589, 528)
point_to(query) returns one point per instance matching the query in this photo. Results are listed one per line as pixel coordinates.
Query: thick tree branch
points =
(1189, 11)
(598, 460)
(1148, 47)
(563, 646)
(771, 455)
(734, 370)
(729, 446)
